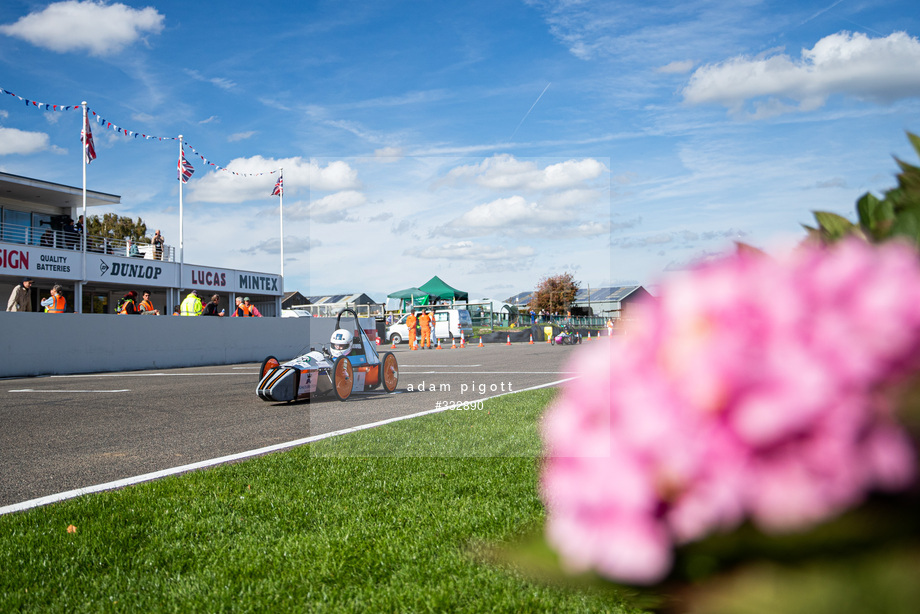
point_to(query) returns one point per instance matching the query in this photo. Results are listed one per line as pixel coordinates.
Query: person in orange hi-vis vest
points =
(410, 324)
(425, 324)
(56, 303)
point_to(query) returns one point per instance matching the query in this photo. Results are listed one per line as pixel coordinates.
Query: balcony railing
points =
(43, 236)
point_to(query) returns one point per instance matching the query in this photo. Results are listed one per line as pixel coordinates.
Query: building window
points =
(16, 226)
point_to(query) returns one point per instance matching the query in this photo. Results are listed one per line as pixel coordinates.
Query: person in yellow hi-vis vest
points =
(411, 321)
(424, 323)
(191, 305)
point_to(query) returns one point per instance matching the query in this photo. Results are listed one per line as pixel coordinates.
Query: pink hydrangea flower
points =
(751, 388)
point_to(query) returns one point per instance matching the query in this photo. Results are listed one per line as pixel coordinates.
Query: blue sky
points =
(490, 143)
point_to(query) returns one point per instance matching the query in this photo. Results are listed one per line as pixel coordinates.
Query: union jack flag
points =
(279, 187)
(86, 137)
(185, 168)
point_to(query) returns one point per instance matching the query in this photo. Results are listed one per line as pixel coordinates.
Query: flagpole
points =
(181, 237)
(281, 218)
(78, 300)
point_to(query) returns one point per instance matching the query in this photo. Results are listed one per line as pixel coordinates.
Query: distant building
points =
(609, 302)
(292, 299)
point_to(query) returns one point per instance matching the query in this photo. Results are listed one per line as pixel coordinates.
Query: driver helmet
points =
(342, 341)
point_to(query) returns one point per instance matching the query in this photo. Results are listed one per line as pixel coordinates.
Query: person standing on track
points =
(411, 321)
(425, 324)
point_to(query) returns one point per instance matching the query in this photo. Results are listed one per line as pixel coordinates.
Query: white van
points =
(448, 323)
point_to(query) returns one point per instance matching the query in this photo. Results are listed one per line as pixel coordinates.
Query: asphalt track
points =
(65, 433)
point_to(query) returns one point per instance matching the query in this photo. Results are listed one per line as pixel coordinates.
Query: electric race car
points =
(350, 365)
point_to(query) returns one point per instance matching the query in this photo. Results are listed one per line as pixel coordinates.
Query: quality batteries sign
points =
(24, 260)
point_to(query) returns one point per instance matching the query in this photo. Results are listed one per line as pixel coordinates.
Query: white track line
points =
(145, 375)
(71, 494)
(66, 391)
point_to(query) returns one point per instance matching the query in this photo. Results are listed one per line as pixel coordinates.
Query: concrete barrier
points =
(46, 344)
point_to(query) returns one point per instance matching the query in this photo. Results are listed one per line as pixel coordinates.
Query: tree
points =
(554, 294)
(113, 227)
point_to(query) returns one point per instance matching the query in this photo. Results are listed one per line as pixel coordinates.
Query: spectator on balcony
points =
(21, 297)
(70, 234)
(158, 242)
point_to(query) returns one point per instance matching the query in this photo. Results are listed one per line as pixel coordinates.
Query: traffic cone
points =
(462, 341)
(439, 343)
(414, 347)
(393, 347)
(531, 340)
(509, 340)
(453, 344)
(480, 343)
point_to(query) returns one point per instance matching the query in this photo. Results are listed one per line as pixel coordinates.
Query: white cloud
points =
(292, 245)
(241, 136)
(96, 27)
(14, 141)
(676, 67)
(389, 154)
(505, 172)
(328, 209)
(225, 187)
(221, 82)
(505, 213)
(877, 69)
(467, 250)
(571, 213)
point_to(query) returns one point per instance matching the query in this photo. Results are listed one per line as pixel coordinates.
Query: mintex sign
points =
(259, 284)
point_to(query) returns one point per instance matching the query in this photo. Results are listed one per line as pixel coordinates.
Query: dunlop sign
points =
(130, 270)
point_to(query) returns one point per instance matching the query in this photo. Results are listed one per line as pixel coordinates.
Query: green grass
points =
(383, 520)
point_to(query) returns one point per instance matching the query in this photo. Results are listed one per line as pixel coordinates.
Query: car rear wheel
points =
(389, 375)
(343, 377)
(267, 365)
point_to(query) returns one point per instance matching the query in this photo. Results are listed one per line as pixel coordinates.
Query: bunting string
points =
(221, 168)
(43, 105)
(128, 133)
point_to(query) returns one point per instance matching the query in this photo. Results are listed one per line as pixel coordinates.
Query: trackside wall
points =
(45, 344)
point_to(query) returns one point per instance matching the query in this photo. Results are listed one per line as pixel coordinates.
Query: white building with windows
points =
(36, 242)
